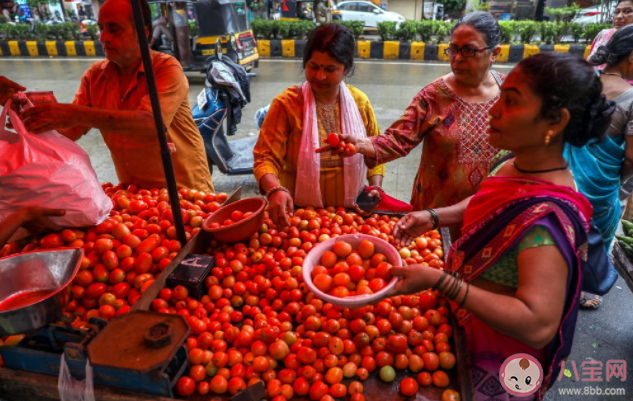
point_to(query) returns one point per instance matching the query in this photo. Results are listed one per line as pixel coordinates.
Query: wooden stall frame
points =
(26, 386)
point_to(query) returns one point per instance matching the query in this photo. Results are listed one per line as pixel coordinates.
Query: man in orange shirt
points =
(113, 97)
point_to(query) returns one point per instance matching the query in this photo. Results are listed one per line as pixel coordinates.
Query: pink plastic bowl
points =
(355, 301)
(244, 228)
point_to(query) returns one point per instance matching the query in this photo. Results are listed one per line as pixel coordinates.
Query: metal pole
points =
(158, 120)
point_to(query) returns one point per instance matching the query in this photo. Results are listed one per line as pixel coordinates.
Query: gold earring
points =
(548, 137)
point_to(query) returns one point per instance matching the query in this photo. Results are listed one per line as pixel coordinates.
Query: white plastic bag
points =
(48, 170)
(71, 389)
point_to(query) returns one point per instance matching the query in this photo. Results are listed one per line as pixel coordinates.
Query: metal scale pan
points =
(35, 288)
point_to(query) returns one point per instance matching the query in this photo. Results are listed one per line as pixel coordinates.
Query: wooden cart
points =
(26, 386)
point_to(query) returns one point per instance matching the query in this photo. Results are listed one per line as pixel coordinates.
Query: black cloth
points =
(231, 98)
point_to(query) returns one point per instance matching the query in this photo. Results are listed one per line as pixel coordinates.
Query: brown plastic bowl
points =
(241, 230)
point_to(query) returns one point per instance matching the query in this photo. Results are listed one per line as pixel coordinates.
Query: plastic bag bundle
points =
(71, 389)
(48, 170)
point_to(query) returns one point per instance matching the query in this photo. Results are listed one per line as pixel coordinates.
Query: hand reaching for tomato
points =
(412, 226)
(36, 219)
(413, 278)
(280, 206)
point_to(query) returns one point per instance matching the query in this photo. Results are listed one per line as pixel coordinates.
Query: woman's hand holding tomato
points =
(280, 206)
(412, 226)
(339, 145)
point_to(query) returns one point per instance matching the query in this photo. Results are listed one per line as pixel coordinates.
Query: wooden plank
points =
(196, 245)
(26, 386)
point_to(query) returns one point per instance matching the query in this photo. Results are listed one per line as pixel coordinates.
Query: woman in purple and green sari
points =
(516, 272)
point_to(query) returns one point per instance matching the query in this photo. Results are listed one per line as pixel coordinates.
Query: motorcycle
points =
(217, 113)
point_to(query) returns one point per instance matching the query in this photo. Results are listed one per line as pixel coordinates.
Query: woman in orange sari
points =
(516, 272)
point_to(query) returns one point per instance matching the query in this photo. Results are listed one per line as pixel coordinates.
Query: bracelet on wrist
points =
(275, 189)
(436, 219)
(465, 296)
(438, 284)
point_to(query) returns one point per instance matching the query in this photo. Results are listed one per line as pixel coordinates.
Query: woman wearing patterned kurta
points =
(450, 116)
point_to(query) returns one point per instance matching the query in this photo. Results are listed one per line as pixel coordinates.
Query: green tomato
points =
(387, 374)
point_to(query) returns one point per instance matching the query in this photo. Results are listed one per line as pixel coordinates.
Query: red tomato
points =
(52, 241)
(185, 386)
(408, 387)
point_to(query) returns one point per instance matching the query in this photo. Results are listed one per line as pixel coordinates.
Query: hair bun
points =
(597, 119)
(601, 56)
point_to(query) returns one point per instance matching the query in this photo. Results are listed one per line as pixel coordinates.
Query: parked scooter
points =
(218, 112)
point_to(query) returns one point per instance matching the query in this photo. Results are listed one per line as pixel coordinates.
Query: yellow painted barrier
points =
(391, 50)
(561, 48)
(89, 47)
(15, 49)
(264, 48)
(31, 46)
(70, 48)
(504, 54)
(587, 52)
(441, 55)
(364, 48)
(530, 50)
(417, 50)
(288, 48)
(51, 48)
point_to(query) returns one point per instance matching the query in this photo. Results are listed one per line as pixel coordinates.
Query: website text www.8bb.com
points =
(594, 371)
(593, 391)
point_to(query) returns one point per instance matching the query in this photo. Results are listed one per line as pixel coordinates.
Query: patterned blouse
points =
(456, 154)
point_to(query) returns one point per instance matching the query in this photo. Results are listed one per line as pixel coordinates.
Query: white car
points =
(591, 15)
(365, 11)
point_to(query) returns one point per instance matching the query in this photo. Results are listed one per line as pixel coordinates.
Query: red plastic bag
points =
(48, 170)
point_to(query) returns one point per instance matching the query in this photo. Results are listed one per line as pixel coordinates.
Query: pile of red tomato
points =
(258, 321)
(345, 271)
(124, 253)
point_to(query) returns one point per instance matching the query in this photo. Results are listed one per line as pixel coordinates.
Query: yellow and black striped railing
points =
(291, 48)
(367, 49)
(25, 48)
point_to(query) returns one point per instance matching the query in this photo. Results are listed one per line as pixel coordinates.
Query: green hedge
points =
(512, 32)
(268, 29)
(544, 32)
(42, 32)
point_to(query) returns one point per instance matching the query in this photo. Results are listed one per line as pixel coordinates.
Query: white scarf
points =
(307, 187)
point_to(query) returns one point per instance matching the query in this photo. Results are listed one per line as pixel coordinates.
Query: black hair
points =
(335, 40)
(484, 23)
(622, 1)
(564, 80)
(617, 49)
